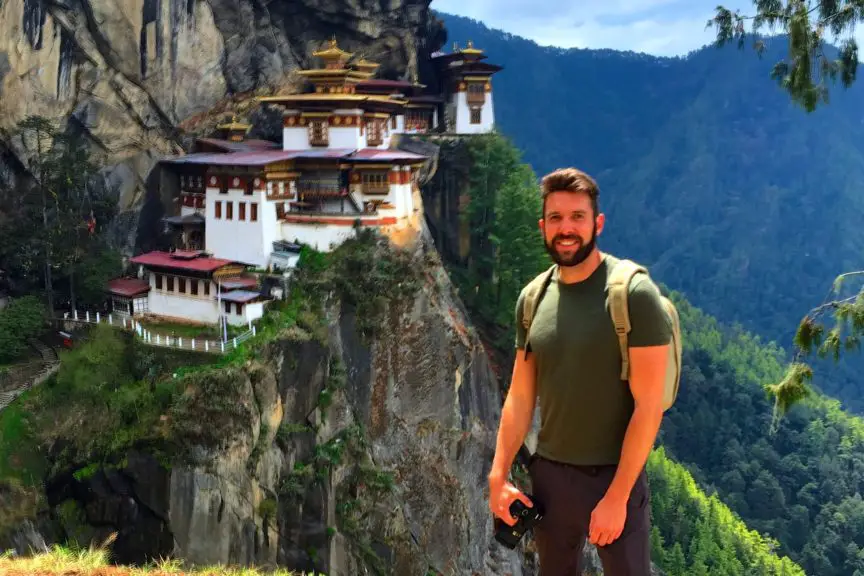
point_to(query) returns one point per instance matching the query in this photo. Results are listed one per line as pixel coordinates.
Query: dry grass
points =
(62, 561)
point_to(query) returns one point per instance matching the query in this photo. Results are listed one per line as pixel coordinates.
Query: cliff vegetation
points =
(344, 437)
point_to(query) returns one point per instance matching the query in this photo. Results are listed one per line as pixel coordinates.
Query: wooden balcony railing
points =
(320, 189)
(376, 188)
(476, 97)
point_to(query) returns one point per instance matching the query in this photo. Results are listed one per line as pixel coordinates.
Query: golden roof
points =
(470, 49)
(234, 125)
(335, 73)
(364, 64)
(332, 97)
(333, 52)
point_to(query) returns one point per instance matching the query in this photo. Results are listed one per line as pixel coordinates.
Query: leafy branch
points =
(807, 70)
(811, 337)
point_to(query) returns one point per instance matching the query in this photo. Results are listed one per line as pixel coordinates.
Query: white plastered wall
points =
(318, 236)
(198, 308)
(463, 115)
(240, 240)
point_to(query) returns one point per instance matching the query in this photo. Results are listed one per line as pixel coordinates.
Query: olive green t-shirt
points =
(585, 407)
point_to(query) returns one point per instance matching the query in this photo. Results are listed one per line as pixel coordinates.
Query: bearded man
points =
(597, 430)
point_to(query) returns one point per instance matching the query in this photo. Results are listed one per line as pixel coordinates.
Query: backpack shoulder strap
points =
(618, 286)
(533, 294)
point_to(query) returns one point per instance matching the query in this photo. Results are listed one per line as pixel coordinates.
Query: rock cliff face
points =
(338, 451)
(139, 75)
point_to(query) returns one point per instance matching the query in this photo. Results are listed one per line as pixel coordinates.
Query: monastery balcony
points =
(476, 97)
(340, 219)
(376, 188)
(418, 126)
(320, 189)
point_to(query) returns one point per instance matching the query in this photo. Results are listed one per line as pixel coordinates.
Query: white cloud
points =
(659, 27)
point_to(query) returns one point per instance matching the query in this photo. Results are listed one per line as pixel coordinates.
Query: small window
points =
(193, 285)
(170, 280)
(229, 210)
(475, 115)
(158, 281)
(227, 307)
(239, 309)
(318, 133)
(242, 210)
(206, 287)
(218, 209)
(181, 284)
(253, 211)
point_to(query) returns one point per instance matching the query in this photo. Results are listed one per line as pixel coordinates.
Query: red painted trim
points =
(347, 221)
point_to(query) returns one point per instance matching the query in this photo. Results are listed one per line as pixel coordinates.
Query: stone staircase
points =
(20, 380)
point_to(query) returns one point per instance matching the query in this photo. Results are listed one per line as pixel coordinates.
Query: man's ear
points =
(601, 221)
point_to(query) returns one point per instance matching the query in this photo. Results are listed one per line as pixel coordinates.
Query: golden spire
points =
(470, 49)
(333, 55)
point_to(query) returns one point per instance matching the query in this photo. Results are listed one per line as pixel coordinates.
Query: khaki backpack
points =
(617, 289)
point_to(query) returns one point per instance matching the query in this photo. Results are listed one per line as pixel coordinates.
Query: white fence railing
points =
(152, 338)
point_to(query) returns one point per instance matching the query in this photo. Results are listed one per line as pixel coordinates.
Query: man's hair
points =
(570, 180)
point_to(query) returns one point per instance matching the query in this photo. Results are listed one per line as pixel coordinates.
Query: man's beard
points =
(578, 256)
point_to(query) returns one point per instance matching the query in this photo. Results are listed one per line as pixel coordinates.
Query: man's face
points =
(569, 227)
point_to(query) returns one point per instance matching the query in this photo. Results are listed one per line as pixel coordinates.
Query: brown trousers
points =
(569, 494)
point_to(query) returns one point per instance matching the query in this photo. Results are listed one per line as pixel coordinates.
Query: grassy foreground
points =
(95, 562)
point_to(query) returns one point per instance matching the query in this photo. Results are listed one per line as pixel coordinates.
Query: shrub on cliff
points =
(24, 318)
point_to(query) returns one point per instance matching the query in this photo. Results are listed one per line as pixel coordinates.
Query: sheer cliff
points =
(140, 76)
(352, 436)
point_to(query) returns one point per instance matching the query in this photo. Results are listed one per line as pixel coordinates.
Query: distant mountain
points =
(708, 173)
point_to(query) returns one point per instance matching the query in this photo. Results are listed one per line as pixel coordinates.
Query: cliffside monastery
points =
(247, 205)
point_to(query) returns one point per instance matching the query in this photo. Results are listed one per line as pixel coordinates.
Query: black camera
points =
(526, 518)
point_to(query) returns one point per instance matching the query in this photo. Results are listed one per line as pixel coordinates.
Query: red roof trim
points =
(128, 287)
(167, 260)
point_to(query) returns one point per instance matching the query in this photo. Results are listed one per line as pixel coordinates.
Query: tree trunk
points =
(72, 286)
(49, 284)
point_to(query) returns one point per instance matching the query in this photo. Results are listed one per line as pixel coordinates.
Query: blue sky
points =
(659, 27)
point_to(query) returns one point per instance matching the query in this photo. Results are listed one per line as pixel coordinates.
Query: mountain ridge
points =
(708, 174)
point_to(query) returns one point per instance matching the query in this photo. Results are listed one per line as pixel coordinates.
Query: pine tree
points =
(658, 554)
(676, 564)
(806, 74)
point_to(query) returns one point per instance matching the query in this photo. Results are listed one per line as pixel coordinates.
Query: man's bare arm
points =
(647, 375)
(516, 415)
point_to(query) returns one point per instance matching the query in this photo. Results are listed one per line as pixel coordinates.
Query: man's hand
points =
(607, 520)
(501, 495)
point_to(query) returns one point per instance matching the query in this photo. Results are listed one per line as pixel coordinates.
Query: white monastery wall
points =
(235, 239)
(172, 304)
(251, 312)
(271, 227)
(346, 137)
(295, 138)
(463, 115)
(318, 236)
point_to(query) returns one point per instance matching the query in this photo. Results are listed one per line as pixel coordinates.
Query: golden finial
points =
(470, 44)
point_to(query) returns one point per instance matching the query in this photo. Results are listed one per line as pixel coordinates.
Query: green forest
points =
(796, 481)
(709, 173)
